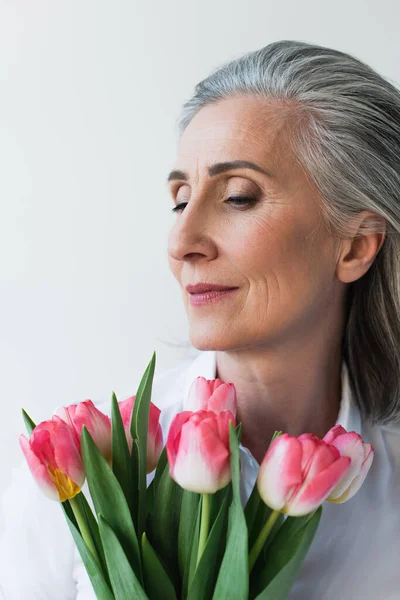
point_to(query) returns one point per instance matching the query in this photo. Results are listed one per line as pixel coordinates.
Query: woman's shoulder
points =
(385, 440)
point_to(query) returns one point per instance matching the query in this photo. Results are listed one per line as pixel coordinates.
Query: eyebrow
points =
(220, 167)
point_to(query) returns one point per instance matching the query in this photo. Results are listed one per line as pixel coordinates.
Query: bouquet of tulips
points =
(186, 535)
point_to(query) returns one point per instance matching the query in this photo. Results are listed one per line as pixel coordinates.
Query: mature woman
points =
(286, 188)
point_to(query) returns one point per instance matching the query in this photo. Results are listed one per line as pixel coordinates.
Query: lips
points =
(202, 288)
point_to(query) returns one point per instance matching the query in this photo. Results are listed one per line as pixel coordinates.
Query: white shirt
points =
(355, 554)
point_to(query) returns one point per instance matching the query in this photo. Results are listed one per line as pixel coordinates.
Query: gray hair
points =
(345, 132)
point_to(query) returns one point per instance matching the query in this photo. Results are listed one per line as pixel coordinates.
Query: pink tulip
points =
(298, 473)
(54, 459)
(198, 450)
(154, 434)
(211, 394)
(97, 423)
(349, 444)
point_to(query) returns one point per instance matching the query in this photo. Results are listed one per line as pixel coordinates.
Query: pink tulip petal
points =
(67, 413)
(174, 435)
(154, 438)
(309, 443)
(53, 444)
(351, 445)
(97, 423)
(213, 384)
(333, 433)
(38, 470)
(41, 442)
(357, 481)
(323, 456)
(213, 449)
(199, 394)
(223, 398)
(224, 417)
(199, 453)
(198, 457)
(211, 394)
(312, 494)
(154, 418)
(67, 456)
(280, 471)
(126, 408)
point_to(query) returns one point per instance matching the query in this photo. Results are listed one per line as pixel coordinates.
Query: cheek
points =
(261, 245)
(282, 255)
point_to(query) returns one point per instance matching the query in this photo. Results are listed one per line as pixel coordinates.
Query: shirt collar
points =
(205, 365)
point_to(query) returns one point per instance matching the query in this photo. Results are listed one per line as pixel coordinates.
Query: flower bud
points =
(154, 434)
(54, 459)
(349, 444)
(97, 423)
(211, 394)
(298, 473)
(198, 450)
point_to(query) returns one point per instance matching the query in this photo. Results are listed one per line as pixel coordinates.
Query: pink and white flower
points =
(349, 443)
(198, 450)
(97, 423)
(154, 435)
(212, 394)
(54, 459)
(298, 473)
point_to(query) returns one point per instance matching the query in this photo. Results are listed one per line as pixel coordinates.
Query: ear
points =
(367, 232)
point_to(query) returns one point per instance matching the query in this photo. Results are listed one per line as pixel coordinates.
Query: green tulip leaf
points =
(96, 576)
(151, 490)
(233, 577)
(121, 459)
(189, 510)
(69, 513)
(203, 582)
(93, 527)
(285, 557)
(29, 424)
(139, 429)
(109, 499)
(124, 582)
(163, 524)
(157, 583)
(189, 572)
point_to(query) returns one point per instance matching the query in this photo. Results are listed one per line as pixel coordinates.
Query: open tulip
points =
(298, 473)
(211, 394)
(97, 423)
(198, 450)
(349, 443)
(154, 433)
(54, 459)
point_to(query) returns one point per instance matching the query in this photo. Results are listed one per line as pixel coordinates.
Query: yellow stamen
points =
(66, 487)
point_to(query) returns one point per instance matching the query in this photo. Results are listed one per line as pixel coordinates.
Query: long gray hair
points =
(346, 135)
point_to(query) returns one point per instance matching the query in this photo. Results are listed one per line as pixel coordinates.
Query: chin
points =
(204, 338)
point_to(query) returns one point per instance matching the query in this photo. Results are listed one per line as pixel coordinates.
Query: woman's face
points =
(273, 248)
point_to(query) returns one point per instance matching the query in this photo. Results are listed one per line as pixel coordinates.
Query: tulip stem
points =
(205, 523)
(262, 538)
(85, 532)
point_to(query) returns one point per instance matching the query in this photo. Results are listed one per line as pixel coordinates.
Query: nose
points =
(190, 236)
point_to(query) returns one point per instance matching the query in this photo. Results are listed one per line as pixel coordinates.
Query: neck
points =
(293, 392)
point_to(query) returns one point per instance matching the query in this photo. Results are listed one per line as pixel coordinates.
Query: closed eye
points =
(239, 200)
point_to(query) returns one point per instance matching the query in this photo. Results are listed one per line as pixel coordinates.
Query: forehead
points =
(235, 128)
